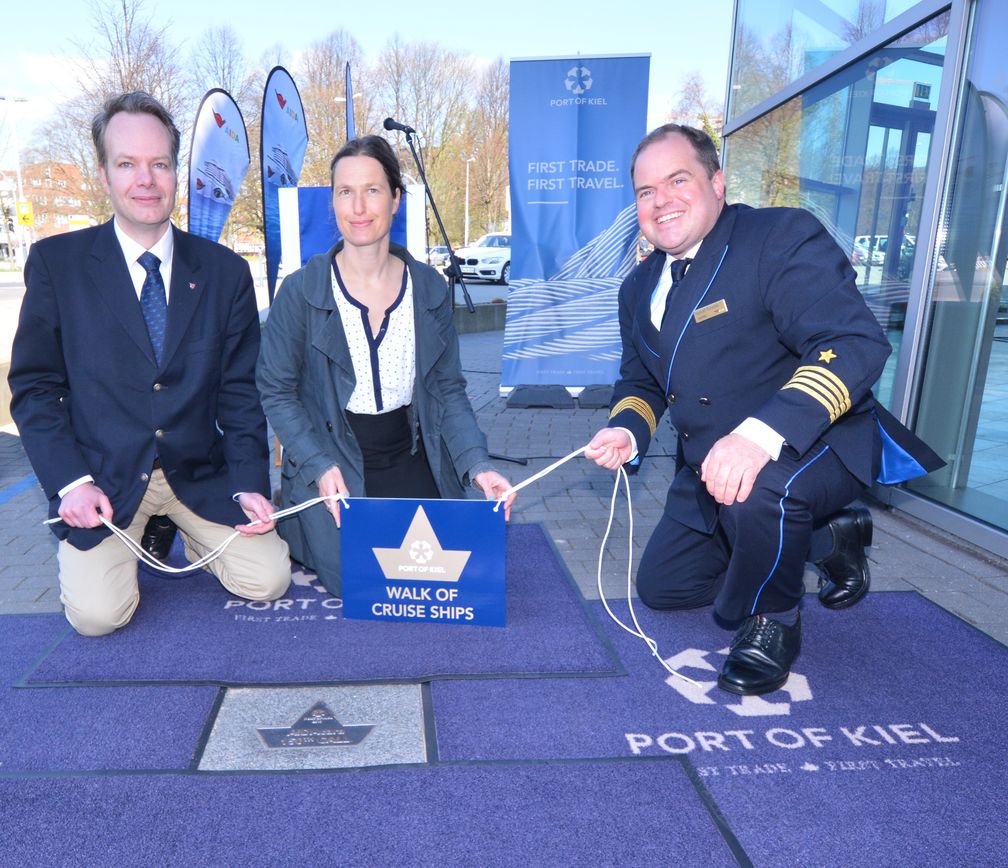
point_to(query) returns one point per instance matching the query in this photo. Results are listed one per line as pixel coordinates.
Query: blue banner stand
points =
(433, 561)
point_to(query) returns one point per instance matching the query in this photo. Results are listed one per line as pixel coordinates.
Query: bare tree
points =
(697, 108)
(321, 78)
(426, 86)
(130, 53)
(488, 143)
(127, 53)
(218, 60)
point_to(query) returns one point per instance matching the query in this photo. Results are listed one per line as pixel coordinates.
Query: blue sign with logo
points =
(574, 124)
(436, 561)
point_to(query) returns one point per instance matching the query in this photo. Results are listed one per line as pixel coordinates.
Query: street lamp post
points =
(466, 241)
(20, 187)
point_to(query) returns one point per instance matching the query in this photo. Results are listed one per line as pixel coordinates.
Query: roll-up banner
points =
(574, 124)
(218, 161)
(283, 145)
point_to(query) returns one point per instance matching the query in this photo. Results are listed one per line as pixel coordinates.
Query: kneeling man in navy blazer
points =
(133, 384)
(747, 326)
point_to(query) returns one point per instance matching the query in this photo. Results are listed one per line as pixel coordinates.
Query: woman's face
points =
(362, 200)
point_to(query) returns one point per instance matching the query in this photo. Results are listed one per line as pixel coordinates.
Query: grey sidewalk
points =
(573, 505)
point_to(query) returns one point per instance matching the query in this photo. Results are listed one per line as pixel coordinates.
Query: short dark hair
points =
(378, 149)
(702, 144)
(135, 102)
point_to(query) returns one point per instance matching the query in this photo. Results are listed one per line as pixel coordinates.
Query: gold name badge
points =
(711, 310)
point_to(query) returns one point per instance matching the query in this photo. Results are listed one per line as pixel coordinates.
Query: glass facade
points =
(779, 41)
(963, 406)
(858, 144)
(853, 150)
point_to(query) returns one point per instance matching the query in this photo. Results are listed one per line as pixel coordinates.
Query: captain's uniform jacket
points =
(767, 322)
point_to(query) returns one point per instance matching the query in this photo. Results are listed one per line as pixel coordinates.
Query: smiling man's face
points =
(677, 204)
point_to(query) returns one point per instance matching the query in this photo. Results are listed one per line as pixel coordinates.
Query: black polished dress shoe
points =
(844, 575)
(760, 657)
(158, 536)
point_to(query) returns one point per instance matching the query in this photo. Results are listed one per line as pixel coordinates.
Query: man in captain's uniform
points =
(747, 326)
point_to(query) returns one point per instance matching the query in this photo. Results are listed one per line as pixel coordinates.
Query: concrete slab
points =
(317, 728)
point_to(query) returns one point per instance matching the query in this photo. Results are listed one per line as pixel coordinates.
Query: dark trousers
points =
(390, 468)
(754, 561)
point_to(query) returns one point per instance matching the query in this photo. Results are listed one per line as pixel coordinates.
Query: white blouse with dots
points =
(385, 363)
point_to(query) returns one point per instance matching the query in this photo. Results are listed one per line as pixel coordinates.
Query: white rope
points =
(537, 476)
(154, 563)
(637, 630)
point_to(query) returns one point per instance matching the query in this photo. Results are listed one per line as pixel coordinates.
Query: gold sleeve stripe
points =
(827, 375)
(835, 401)
(640, 407)
(825, 387)
(833, 415)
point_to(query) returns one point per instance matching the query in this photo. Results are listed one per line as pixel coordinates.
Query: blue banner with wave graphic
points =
(574, 123)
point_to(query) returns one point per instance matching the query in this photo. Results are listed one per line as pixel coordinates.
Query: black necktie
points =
(154, 303)
(677, 269)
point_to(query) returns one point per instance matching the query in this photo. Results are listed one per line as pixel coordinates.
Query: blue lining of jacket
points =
(897, 465)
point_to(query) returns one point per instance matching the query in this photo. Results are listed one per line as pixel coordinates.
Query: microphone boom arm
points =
(453, 272)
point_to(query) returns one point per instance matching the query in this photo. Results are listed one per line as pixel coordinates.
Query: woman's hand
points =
(493, 486)
(331, 483)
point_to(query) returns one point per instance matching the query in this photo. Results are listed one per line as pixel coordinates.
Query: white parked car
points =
(437, 256)
(487, 259)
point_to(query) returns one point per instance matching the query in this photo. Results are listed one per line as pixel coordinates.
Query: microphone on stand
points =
(395, 125)
(452, 272)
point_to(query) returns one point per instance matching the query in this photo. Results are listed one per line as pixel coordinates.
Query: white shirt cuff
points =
(633, 442)
(67, 488)
(762, 435)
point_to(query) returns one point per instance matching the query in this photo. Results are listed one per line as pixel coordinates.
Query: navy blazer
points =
(88, 397)
(767, 322)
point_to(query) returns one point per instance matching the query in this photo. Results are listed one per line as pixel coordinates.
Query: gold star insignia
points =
(827, 356)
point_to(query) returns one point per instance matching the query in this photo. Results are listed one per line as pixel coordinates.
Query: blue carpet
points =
(563, 814)
(191, 630)
(881, 742)
(85, 729)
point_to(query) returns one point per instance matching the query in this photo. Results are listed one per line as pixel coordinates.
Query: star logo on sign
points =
(827, 356)
(420, 556)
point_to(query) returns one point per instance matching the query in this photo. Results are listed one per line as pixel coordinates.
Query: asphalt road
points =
(11, 293)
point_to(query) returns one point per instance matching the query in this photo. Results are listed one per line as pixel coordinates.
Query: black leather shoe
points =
(760, 657)
(158, 536)
(844, 575)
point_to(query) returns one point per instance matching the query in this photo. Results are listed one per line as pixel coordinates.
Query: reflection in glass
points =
(963, 409)
(853, 150)
(777, 43)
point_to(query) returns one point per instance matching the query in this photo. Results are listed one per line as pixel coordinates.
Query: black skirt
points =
(390, 470)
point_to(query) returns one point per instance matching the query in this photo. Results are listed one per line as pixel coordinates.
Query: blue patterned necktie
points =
(154, 302)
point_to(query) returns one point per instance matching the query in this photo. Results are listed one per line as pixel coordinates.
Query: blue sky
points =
(38, 39)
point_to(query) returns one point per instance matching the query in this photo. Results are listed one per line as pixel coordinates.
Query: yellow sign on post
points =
(26, 216)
